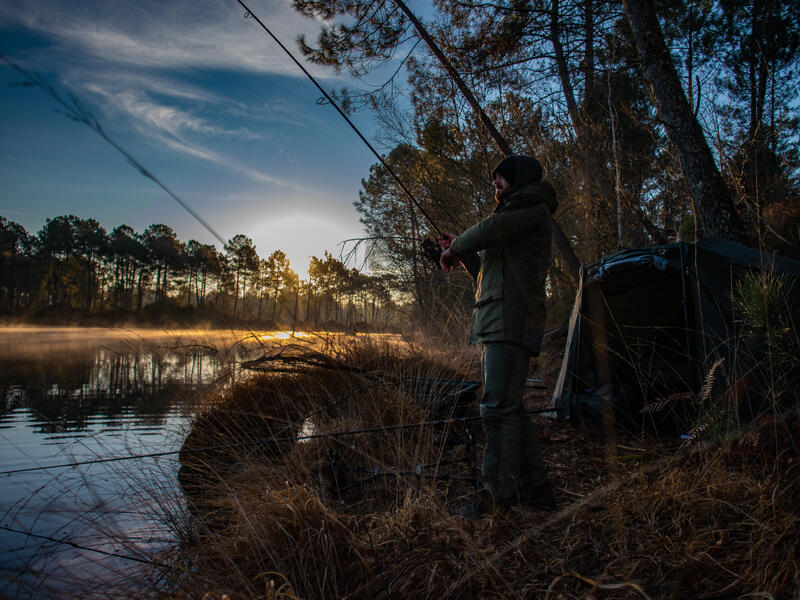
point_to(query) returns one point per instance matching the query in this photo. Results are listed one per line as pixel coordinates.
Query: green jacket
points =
(508, 254)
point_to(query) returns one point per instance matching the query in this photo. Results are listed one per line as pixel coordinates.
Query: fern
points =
(661, 403)
(708, 384)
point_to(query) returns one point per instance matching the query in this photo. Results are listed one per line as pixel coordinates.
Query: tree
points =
(130, 263)
(328, 276)
(759, 41)
(277, 274)
(204, 262)
(244, 262)
(164, 250)
(710, 194)
(15, 249)
(91, 243)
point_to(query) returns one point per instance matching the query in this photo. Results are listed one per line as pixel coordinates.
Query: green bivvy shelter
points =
(649, 323)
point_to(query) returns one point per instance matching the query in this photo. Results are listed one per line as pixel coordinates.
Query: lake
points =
(75, 395)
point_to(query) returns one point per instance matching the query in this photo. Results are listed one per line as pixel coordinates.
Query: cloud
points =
(175, 35)
(178, 144)
(170, 119)
(170, 125)
(149, 82)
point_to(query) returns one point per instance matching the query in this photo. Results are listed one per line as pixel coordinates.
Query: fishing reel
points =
(431, 250)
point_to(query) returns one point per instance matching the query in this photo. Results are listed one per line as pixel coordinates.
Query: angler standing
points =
(508, 255)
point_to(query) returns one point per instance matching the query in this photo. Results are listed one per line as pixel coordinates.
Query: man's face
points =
(501, 187)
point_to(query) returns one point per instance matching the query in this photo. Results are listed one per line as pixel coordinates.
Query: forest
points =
(655, 122)
(73, 269)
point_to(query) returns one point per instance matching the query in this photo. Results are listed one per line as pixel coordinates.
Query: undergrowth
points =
(349, 517)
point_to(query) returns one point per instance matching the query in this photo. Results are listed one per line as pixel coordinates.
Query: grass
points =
(638, 518)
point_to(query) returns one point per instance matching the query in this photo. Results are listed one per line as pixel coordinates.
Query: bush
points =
(766, 306)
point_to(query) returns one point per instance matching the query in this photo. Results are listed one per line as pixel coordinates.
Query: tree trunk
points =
(594, 171)
(711, 197)
(139, 300)
(236, 294)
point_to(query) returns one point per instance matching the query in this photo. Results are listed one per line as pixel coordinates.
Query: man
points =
(508, 255)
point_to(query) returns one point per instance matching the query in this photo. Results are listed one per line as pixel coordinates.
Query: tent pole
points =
(689, 347)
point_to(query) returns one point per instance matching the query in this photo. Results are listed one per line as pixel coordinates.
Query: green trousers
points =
(512, 459)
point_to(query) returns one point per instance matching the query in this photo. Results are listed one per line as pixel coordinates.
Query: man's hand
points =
(448, 260)
(445, 239)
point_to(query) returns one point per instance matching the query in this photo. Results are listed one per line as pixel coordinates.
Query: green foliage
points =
(760, 378)
(767, 306)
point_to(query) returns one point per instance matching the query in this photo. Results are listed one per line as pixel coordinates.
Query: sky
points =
(201, 97)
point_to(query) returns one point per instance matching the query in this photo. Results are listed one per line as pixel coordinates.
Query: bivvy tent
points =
(647, 326)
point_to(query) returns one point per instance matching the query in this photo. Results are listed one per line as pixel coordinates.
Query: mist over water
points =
(73, 395)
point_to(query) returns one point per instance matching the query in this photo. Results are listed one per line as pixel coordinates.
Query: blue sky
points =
(202, 98)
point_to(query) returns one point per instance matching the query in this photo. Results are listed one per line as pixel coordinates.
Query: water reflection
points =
(62, 391)
(71, 395)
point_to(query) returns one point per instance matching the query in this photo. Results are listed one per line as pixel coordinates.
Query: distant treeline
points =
(73, 268)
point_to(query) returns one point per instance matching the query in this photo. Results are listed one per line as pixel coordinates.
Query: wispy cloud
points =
(146, 82)
(171, 126)
(170, 119)
(174, 35)
(211, 156)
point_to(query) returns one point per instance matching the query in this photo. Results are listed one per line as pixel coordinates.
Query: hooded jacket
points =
(508, 254)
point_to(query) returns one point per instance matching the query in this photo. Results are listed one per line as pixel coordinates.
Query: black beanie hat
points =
(507, 168)
(519, 170)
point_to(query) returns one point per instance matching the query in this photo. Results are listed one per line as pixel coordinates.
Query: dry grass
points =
(639, 518)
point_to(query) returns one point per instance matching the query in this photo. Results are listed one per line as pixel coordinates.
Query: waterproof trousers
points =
(512, 459)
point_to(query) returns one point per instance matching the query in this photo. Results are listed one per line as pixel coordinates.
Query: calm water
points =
(74, 395)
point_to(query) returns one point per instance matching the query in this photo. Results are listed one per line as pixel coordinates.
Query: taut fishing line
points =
(86, 548)
(73, 110)
(299, 438)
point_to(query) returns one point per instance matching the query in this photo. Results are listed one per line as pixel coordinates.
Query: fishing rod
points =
(249, 14)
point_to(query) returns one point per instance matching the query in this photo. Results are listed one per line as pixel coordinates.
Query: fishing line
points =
(74, 111)
(300, 438)
(250, 14)
(79, 547)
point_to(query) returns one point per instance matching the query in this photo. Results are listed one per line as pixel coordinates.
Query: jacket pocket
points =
(490, 286)
(488, 318)
(486, 294)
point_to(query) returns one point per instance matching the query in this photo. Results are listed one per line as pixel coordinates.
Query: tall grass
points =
(311, 519)
(328, 514)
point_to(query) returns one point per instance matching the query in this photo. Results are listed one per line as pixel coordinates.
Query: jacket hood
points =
(540, 192)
